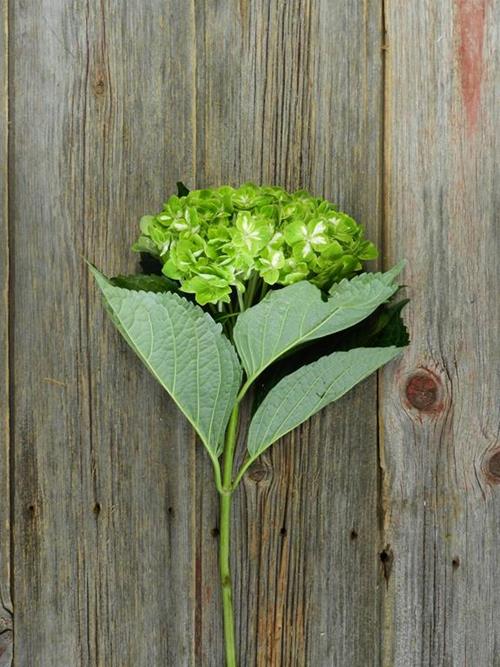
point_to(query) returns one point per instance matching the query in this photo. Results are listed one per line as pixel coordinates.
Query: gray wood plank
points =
(441, 482)
(5, 592)
(103, 126)
(291, 93)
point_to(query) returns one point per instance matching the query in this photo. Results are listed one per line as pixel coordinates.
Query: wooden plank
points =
(5, 592)
(441, 486)
(290, 93)
(103, 126)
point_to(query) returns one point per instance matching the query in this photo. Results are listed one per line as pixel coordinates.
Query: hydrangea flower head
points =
(235, 243)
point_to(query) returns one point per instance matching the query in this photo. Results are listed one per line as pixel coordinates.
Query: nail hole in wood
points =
(386, 558)
(455, 563)
(215, 532)
(97, 509)
(283, 532)
(354, 535)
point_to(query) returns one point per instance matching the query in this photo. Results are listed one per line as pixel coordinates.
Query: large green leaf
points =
(383, 328)
(296, 314)
(301, 394)
(141, 282)
(186, 352)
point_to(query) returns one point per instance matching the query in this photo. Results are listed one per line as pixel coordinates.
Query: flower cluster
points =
(224, 241)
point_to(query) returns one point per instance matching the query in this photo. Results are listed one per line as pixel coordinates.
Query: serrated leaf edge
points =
(101, 278)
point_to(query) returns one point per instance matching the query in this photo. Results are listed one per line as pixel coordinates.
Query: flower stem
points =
(225, 539)
(225, 578)
(250, 293)
(241, 301)
(242, 471)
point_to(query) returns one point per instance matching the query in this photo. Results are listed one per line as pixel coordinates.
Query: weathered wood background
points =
(372, 535)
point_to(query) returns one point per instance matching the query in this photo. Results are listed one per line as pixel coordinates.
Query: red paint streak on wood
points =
(471, 16)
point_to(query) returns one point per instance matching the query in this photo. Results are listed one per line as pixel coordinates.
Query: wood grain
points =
(103, 126)
(358, 540)
(291, 93)
(441, 490)
(5, 481)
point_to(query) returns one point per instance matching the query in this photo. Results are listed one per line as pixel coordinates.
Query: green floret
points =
(227, 242)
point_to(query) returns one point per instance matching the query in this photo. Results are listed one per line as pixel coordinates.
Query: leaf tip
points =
(100, 278)
(397, 268)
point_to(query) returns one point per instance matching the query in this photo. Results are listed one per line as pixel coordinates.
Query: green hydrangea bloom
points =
(226, 243)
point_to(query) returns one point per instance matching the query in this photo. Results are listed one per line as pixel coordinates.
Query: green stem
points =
(241, 472)
(244, 389)
(264, 290)
(225, 578)
(225, 538)
(249, 294)
(217, 475)
(241, 301)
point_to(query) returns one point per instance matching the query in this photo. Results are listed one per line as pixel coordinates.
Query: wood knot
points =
(5, 619)
(493, 467)
(6, 636)
(99, 83)
(423, 390)
(258, 472)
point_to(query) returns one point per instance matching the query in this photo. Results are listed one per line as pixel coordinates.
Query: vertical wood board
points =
(291, 94)
(102, 126)
(5, 480)
(441, 491)
(355, 542)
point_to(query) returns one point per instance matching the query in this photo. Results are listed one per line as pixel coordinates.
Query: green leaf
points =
(383, 328)
(186, 352)
(150, 264)
(301, 394)
(182, 190)
(145, 244)
(145, 283)
(296, 314)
